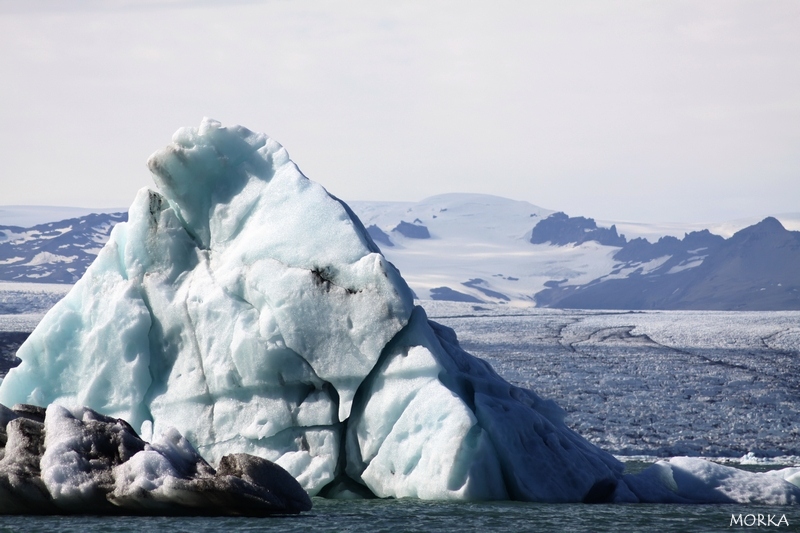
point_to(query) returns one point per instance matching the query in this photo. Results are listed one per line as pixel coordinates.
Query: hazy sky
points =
(648, 111)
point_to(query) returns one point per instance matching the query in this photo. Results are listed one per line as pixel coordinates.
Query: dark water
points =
(370, 516)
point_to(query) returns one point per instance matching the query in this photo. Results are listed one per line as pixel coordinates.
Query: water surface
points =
(371, 516)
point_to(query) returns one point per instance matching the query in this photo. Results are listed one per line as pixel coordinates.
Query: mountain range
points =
(481, 249)
(54, 252)
(755, 269)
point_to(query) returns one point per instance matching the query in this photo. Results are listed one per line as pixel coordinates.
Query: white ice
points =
(693, 480)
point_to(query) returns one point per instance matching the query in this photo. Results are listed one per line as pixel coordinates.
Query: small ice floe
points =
(694, 480)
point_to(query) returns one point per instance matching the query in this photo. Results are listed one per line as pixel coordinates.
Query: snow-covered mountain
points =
(755, 269)
(654, 231)
(54, 252)
(480, 248)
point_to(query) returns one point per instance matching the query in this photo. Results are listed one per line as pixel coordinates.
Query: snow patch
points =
(43, 258)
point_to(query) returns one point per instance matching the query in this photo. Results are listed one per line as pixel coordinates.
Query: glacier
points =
(249, 309)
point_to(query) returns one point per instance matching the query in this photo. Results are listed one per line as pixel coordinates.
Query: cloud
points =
(593, 108)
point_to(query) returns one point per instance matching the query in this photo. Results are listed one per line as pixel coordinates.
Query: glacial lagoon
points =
(398, 516)
(644, 385)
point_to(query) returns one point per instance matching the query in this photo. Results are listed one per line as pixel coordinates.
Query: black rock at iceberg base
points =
(60, 461)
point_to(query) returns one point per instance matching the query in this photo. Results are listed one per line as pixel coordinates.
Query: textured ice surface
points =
(63, 461)
(440, 424)
(693, 480)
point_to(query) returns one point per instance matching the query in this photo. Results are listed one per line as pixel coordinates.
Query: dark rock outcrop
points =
(412, 231)
(696, 243)
(560, 229)
(755, 270)
(379, 236)
(479, 284)
(450, 295)
(57, 461)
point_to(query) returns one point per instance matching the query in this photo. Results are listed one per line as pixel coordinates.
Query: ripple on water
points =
(371, 516)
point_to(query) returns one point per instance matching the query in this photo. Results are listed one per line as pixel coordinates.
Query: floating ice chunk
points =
(693, 480)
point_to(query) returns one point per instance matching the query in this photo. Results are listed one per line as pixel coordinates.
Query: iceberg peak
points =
(208, 166)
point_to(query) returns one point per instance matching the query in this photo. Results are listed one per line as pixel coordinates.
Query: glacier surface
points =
(248, 308)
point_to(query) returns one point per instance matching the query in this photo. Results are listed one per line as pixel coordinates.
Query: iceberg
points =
(249, 309)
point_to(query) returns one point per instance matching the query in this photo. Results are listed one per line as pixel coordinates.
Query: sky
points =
(654, 111)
